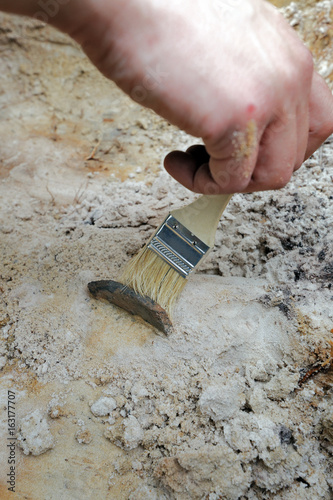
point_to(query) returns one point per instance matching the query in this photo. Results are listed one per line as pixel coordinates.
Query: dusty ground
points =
(237, 402)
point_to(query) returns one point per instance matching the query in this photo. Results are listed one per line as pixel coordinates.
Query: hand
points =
(231, 72)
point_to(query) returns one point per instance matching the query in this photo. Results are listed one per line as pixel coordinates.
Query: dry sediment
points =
(105, 407)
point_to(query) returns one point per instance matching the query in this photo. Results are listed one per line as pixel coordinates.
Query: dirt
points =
(237, 401)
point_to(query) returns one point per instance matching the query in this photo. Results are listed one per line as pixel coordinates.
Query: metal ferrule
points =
(177, 246)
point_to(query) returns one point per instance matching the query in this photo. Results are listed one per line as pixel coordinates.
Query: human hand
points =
(237, 77)
(231, 72)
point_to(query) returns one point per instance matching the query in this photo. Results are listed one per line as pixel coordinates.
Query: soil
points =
(237, 401)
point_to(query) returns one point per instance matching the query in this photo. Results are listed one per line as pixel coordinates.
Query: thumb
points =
(202, 173)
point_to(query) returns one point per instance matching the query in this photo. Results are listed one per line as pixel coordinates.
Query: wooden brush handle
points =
(203, 215)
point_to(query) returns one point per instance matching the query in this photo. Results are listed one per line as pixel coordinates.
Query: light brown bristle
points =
(148, 274)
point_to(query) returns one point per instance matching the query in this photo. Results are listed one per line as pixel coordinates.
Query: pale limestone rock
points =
(223, 399)
(3, 361)
(193, 474)
(103, 406)
(280, 475)
(256, 436)
(83, 436)
(259, 372)
(327, 424)
(257, 399)
(281, 384)
(138, 391)
(127, 434)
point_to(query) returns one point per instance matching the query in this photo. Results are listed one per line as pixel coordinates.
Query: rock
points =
(34, 436)
(281, 385)
(327, 424)
(255, 436)
(103, 406)
(259, 372)
(127, 434)
(215, 469)
(136, 304)
(280, 476)
(138, 391)
(257, 399)
(222, 400)
(83, 436)
(3, 361)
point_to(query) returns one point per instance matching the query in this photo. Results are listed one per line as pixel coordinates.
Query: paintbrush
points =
(161, 268)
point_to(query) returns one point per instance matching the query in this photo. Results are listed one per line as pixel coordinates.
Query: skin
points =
(231, 72)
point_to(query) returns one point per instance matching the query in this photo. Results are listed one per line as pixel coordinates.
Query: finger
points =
(321, 114)
(233, 158)
(199, 154)
(232, 175)
(277, 155)
(182, 167)
(188, 170)
(202, 178)
(200, 173)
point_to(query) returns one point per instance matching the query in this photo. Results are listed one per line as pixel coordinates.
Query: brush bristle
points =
(149, 275)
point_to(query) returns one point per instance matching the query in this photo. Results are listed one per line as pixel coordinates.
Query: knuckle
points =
(323, 129)
(298, 74)
(232, 177)
(239, 185)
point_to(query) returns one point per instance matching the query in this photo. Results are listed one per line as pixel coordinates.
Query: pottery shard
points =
(124, 297)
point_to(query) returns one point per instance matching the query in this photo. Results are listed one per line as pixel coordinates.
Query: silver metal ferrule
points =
(177, 246)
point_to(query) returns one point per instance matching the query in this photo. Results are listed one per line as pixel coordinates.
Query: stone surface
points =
(103, 407)
(255, 318)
